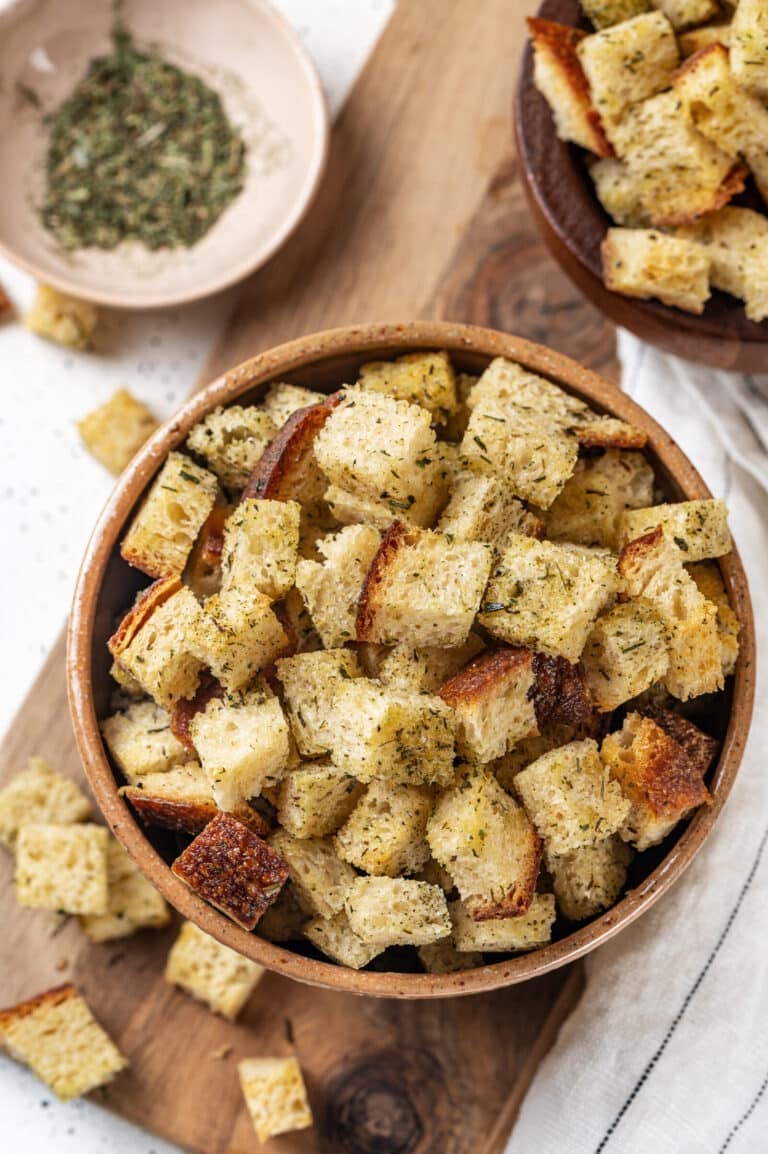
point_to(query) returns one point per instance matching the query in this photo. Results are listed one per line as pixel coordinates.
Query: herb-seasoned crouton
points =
(731, 118)
(61, 318)
(243, 745)
(275, 1095)
(62, 867)
(422, 588)
(528, 931)
(482, 508)
(626, 653)
(288, 469)
(231, 441)
(443, 958)
(749, 46)
(425, 379)
(656, 775)
(385, 833)
(352, 509)
(158, 654)
(331, 589)
(570, 797)
(335, 938)
(214, 974)
(261, 541)
(492, 700)
(39, 794)
(644, 263)
(588, 508)
(133, 902)
(699, 528)
(115, 432)
(710, 585)
(141, 742)
(684, 13)
(543, 596)
(232, 868)
(699, 747)
(620, 193)
(559, 77)
(560, 695)
(505, 769)
(397, 912)
(172, 514)
(57, 1036)
(315, 799)
(736, 241)
(604, 13)
(694, 39)
(319, 878)
(179, 799)
(236, 635)
(587, 881)
(311, 682)
(283, 400)
(426, 669)
(488, 845)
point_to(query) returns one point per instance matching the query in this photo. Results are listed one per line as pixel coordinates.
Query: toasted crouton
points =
(620, 193)
(385, 833)
(560, 694)
(275, 1095)
(62, 867)
(481, 508)
(162, 533)
(283, 400)
(315, 799)
(588, 509)
(422, 588)
(211, 972)
(609, 433)
(443, 958)
(736, 240)
(721, 109)
(516, 390)
(158, 655)
(587, 881)
(527, 931)
(335, 938)
(243, 745)
(545, 597)
(331, 589)
(488, 845)
(231, 441)
(57, 1036)
(39, 794)
(425, 379)
(694, 39)
(261, 541)
(140, 740)
(61, 318)
(700, 749)
(749, 46)
(698, 528)
(115, 432)
(644, 263)
(236, 635)
(492, 700)
(505, 769)
(604, 13)
(351, 509)
(397, 912)
(288, 469)
(233, 869)
(710, 585)
(319, 878)
(426, 669)
(656, 775)
(684, 13)
(560, 78)
(179, 799)
(626, 653)
(310, 685)
(133, 902)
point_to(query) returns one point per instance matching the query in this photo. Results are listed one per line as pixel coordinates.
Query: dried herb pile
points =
(142, 151)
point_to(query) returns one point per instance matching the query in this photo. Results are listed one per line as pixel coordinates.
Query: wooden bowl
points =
(106, 585)
(572, 223)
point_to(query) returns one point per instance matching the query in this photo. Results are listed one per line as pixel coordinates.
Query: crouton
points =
(158, 655)
(232, 868)
(545, 597)
(559, 693)
(140, 740)
(261, 542)
(588, 509)
(115, 432)
(285, 920)
(128, 688)
(560, 78)
(620, 193)
(385, 832)
(570, 797)
(700, 749)
(203, 569)
(144, 605)
(426, 669)
(315, 799)
(425, 379)
(331, 589)
(505, 769)
(587, 881)
(721, 109)
(644, 263)
(335, 938)
(683, 13)
(517, 391)
(626, 653)
(656, 775)
(162, 533)
(236, 635)
(231, 441)
(243, 746)
(382, 734)
(351, 509)
(39, 793)
(606, 432)
(528, 931)
(397, 912)
(179, 799)
(749, 46)
(652, 567)
(133, 902)
(422, 588)
(288, 469)
(736, 241)
(698, 528)
(481, 508)
(212, 973)
(283, 400)
(488, 845)
(710, 585)
(492, 700)
(62, 867)
(604, 13)
(443, 958)
(319, 878)
(57, 1036)
(310, 684)
(61, 318)
(694, 39)
(275, 1095)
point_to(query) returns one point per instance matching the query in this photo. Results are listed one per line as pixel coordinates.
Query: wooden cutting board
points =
(421, 215)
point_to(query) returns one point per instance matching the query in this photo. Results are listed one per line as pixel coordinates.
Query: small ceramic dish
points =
(247, 53)
(573, 223)
(106, 585)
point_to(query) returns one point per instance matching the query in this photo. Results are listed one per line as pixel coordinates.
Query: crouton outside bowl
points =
(106, 585)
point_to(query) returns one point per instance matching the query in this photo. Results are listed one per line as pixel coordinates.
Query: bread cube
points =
(319, 878)
(700, 749)
(656, 775)
(721, 109)
(517, 390)
(422, 588)
(545, 597)
(61, 318)
(736, 241)
(644, 263)
(179, 799)
(426, 669)
(699, 528)
(589, 507)
(571, 798)
(141, 742)
(710, 585)
(492, 700)
(482, 508)
(620, 193)
(626, 653)
(115, 432)
(243, 746)
(275, 1095)
(335, 938)
(236, 636)
(559, 77)
(283, 400)
(425, 379)
(397, 912)
(133, 903)
(443, 958)
(587, 881)
(528, 931)
(505, 769)
(684, 13)
(385, 833)
(162, 533)
(288, 469)
(310, 684)
(57, 1036)
(261, 542)
(331, 589)
(604, 13)
(232, 868)
(231, 441)
(212, 973)
(39, 793)
(62, 868)
(749, 46)
(351, 509)
(315, 799)
(160, 656)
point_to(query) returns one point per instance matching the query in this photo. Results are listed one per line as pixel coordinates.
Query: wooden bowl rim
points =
(278, 363)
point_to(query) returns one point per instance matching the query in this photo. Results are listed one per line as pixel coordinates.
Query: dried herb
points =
(142, 151)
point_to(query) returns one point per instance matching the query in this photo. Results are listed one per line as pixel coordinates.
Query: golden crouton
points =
(39, 794)
(158, 655)
(684, 13)
(588, 509)
(700, 749)
(62, 868)
(61, 318)
(275, 1095)
(243, 745)
(231, 441)
(133, 902)
(310, 684)
(559, 77)
(282, 400)
(721, 109)
(179, 799)
(261, 541)
(319, 878)
(587, 881)
(710, 585)
(736, 241)
(397, 912)
(749, 46)
(645, 263)
(425, 379)
(620, 193)
(212, 973)
(698, 528)
(331, 588)
(528, 931)
(626, 653)
(315, 799)
(385, 834)
(426, 669)
(604, 13)
(482, 508)
(335, 938)
(288, 469)
(492, 700)
(115, 432)
(141, 742)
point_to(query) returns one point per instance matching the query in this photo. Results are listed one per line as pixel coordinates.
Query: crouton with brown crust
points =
(163, 531)
(561, 80)
(288, 469)
(491, 698)
(700, 748)
(560, 694)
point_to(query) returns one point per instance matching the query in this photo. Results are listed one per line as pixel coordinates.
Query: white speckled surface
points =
(51, 492)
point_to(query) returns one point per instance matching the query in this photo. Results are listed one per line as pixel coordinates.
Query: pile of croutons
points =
(669, 98)
(375, 680)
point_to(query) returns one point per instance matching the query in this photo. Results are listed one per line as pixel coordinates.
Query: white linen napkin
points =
(667, 1052)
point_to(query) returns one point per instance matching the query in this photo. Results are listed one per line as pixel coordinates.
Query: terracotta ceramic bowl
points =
(106, 585)
(573, 223)
(270, 91)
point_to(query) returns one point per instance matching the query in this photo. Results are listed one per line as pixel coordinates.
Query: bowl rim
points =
(364, 340)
